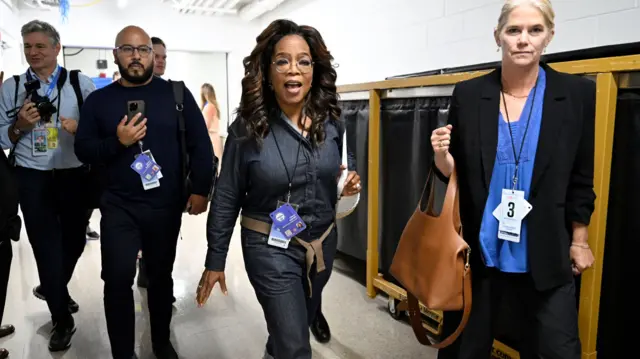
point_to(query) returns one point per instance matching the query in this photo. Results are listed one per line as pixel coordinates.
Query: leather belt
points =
(313, 248)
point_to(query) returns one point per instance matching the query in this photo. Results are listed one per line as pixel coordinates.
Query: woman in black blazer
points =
(522, 140)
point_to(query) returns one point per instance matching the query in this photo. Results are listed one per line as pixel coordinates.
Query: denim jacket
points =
(253, 178)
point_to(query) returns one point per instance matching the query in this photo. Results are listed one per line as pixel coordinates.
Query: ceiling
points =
(245, 9)
(209, 7)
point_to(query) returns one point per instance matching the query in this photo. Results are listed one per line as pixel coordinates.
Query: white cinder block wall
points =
(374, 39)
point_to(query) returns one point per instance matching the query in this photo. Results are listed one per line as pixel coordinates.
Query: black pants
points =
(279, 278)
(55, 216)
(6, 255)
(547, 321)
(126, 228)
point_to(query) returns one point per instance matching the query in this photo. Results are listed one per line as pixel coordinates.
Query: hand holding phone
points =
(134, 108)
(132, 131)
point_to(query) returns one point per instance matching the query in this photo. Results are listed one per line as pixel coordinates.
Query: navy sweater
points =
(97, 142)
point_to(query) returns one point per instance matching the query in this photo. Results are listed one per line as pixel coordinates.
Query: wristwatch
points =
(16, 131)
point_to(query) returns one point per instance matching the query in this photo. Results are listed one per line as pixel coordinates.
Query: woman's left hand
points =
(582, 259)
(580, 252)
(352, 184)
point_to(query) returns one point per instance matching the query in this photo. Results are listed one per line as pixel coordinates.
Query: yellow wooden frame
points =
(606, 71)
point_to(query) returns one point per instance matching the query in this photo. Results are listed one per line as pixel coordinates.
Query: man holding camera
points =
(38, 120)
(132, 126)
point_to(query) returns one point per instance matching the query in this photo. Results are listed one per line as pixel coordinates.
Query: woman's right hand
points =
(441, 139)
(207, 282)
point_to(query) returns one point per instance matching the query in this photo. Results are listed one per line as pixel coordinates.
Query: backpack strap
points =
(75, 83)
(12, 152)
(178, 95)
(16, 78)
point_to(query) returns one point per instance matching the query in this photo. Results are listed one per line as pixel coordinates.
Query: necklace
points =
(515, 96)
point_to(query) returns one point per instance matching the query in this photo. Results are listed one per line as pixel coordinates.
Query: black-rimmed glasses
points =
(129, 50)
(283, 65)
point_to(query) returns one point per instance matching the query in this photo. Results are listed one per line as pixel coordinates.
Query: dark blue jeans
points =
(279, 278)
(55, 217)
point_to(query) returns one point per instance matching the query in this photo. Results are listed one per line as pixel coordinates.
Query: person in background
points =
(521, 140)
(211, 113)
(51, 180)
(282, 155)
(159, 66)
(140, 212)
(10, 225)
(159, 56)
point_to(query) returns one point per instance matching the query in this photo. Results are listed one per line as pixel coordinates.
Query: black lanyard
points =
(289, 177)
(513, 145)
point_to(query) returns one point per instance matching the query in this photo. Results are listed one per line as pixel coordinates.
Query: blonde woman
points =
(211, 113)
(522, 138)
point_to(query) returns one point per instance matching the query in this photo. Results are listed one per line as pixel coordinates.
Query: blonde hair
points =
(544, 6)
(208, 95)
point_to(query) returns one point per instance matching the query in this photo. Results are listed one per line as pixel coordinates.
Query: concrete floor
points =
(230, 327)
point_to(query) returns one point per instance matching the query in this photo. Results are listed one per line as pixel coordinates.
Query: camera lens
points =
(133, 106)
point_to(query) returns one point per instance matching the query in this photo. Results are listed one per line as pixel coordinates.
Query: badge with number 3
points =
(512, 210)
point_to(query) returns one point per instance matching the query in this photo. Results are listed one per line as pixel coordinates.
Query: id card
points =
(145, 167)
(287, 221)
(512, 210)
(39, 142)
(52, 138)
(147, 185)
(141, 163)
(148, 153)
(277, 239)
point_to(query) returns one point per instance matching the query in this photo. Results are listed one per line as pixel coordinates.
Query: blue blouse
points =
(504, 255)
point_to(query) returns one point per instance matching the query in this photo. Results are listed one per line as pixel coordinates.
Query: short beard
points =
(136, 80)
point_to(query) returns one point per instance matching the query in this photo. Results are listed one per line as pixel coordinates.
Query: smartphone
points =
(134, 108)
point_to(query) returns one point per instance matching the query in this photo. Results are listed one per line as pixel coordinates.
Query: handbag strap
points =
(416, 317)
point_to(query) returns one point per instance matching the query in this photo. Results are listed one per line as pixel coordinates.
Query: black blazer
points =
(562, 183)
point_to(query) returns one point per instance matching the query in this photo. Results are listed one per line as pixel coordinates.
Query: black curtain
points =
(618, 305)
(352, 230)
(406, 156)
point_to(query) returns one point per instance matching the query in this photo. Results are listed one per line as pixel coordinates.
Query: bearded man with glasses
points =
(131, 128)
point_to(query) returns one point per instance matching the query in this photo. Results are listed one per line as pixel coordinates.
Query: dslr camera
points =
(42, 103)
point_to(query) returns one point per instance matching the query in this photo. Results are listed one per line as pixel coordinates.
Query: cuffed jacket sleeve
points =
(227, 200)
(580, 194)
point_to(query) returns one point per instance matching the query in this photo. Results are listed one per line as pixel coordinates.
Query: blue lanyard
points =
(53, 83)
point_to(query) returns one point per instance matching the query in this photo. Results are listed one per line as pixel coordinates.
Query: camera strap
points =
(58, 80)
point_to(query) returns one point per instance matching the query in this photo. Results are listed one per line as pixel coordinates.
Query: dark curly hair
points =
(258, 101)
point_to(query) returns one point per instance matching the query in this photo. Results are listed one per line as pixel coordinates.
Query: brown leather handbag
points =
(432, 262)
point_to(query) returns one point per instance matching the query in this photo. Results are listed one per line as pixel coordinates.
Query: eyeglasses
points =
(283, 65)
(129, 50)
